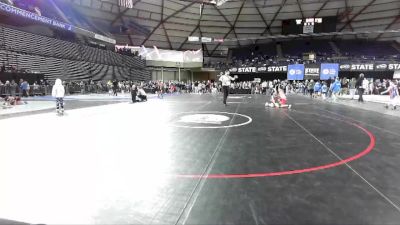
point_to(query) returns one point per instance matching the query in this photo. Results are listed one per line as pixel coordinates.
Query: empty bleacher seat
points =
(57, 58)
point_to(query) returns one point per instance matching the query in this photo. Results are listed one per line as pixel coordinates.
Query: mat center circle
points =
(204, 119)
(210, 120)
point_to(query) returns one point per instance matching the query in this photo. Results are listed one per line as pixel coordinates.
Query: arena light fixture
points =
(221, 2)
(215, 2)
(206, 39)
(193, 38)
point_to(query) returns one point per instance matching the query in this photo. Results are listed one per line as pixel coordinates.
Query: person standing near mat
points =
(226, 82)
(393, 94)
(335, 88)
(134, 91)
(115, 87)
(360, 88)
(58, 92)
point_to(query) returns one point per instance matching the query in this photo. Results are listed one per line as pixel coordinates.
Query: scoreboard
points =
(309, 25)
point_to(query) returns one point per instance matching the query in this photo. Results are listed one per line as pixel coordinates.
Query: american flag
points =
(126, 3)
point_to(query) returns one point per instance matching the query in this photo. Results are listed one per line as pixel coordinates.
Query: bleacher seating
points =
(339, 51)
(376, 49)
(298, 47)
(247, 52)
(56, 58)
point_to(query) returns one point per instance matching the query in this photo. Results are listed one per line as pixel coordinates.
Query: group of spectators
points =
(127, 51)
(13, 92)
(114, 87)
(266, 60)
(22, 88)
(333, 88)
(201, 87)
(348, 86)
(313, 88)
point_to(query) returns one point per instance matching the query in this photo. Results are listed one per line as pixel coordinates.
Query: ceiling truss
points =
(169, 22)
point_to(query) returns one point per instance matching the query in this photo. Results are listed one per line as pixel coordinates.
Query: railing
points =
(43, 90)
(7, 90)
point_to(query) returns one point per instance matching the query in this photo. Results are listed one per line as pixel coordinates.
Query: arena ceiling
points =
(167, 23)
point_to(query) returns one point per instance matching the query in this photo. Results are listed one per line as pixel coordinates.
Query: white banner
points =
(396, 74)
(105, 39)
(156, 54)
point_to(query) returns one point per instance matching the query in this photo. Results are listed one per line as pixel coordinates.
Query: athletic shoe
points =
(290, 106)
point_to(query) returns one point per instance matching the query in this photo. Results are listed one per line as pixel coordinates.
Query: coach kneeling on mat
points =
(142, 94)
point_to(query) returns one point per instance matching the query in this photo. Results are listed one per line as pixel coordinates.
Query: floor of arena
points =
(188, 159)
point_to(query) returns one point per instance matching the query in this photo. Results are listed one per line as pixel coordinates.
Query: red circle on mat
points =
(364, 152)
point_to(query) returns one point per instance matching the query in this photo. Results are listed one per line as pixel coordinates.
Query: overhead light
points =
(221, 2)
(193, 38)
(215, 2)
(220, 40)
(206, 39)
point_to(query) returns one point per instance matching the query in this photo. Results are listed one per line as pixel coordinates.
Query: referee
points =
(226, 82)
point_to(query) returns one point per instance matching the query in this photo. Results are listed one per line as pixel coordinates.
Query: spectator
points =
(115, 87)
(360, 87)
(13, 88)
(344, 86)
(324, 90)
(310, 88)
(335, 88)
(317, 89)
(352, 87)
(25, 88)
(134, 91)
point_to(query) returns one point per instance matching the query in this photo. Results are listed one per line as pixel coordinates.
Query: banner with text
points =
(329, 71)
(260, 69)
(396, 74)
(311, 71)
(387, 66)
(295, 72)
(315, 71)
(32, 16)
(369, 66)
(357, 67)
